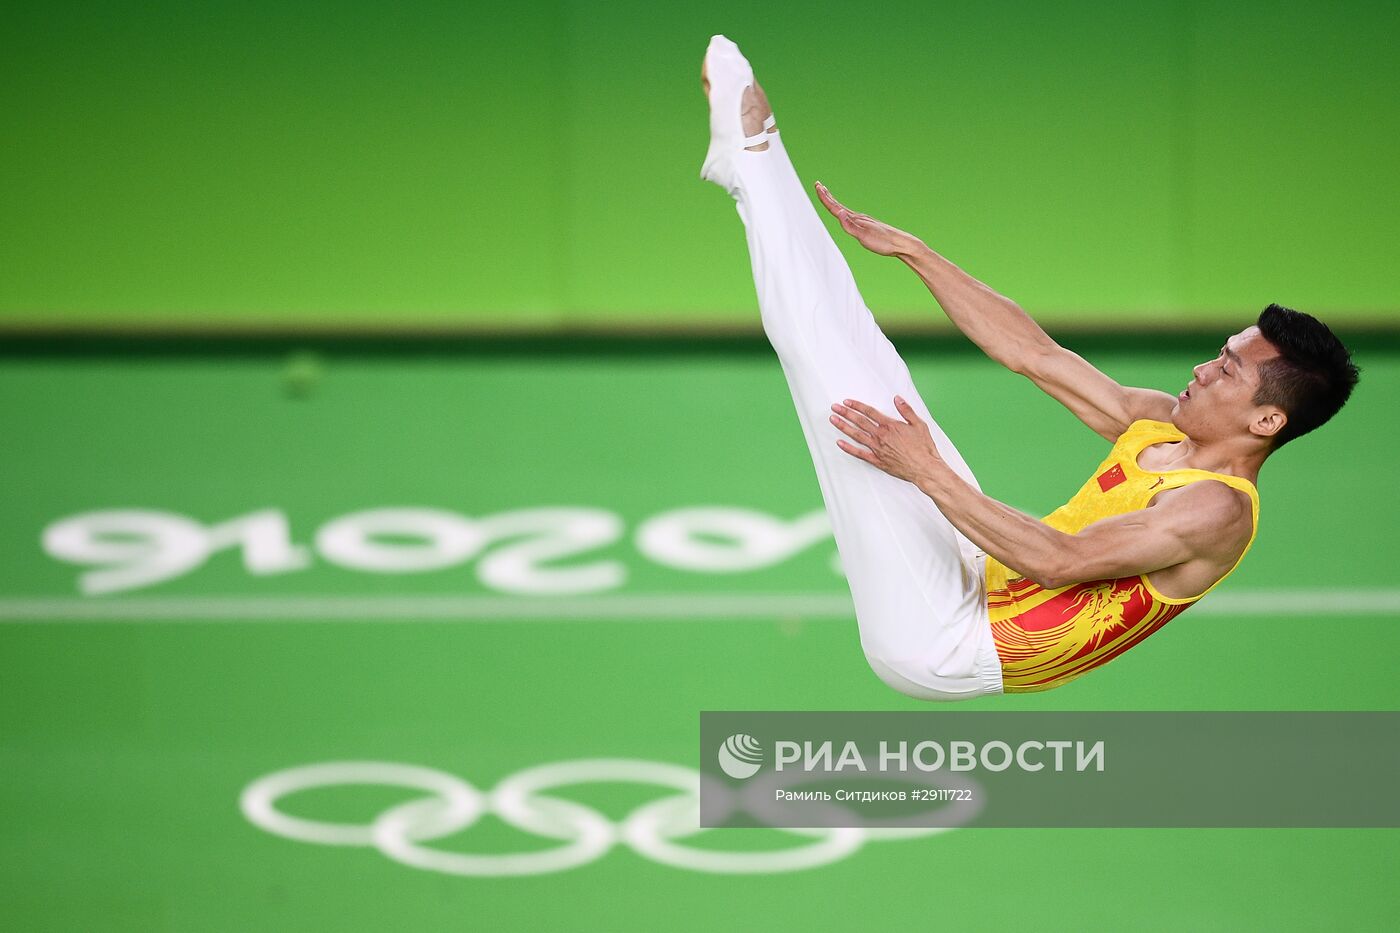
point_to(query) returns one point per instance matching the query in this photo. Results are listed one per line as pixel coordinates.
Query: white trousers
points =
(916, 581)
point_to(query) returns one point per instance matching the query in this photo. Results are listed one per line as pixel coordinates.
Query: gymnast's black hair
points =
(1311, 378)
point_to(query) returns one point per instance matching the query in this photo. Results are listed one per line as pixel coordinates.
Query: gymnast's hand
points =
(902, 448)
(878, 237)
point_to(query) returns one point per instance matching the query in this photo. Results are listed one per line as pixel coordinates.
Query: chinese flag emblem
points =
(1110, 478)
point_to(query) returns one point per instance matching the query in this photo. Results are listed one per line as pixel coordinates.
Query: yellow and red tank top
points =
(1047, 637)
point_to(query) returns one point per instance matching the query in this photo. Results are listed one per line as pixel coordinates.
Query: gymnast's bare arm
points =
(1007, 334)
(1197, 532)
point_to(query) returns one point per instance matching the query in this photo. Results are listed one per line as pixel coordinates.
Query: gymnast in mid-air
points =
(958, 595)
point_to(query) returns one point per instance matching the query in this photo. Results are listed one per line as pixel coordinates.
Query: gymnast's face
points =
(1219, 400)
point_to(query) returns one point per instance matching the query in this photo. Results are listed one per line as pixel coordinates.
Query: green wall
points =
(446, 164)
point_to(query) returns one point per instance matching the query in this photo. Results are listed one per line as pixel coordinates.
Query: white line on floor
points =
(667, 606)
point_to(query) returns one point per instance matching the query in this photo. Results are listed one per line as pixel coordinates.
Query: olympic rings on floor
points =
(653, 829)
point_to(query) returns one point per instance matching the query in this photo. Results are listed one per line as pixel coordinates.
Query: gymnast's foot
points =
(740, 116)
(754, 110)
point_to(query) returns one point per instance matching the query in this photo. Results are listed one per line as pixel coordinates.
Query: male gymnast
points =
(958, 595)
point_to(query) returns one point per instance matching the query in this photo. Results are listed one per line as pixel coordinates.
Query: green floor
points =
(133, 714)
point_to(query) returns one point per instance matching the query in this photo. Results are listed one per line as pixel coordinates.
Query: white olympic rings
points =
(453, 804)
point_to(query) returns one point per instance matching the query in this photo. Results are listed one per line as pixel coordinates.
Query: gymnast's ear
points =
(1268, 422)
